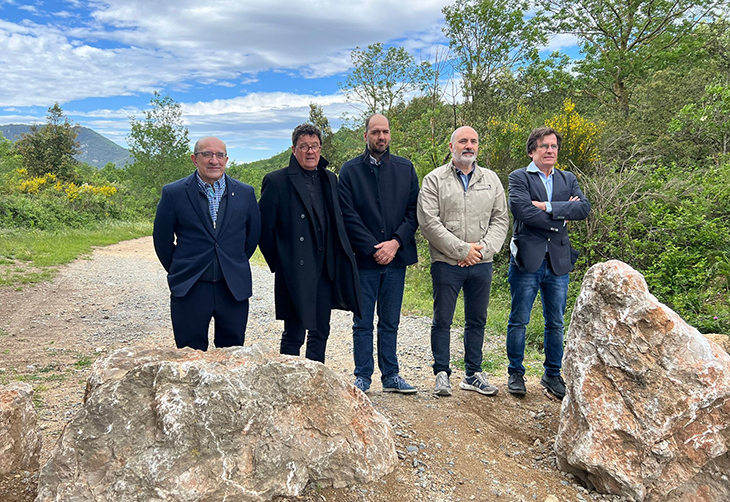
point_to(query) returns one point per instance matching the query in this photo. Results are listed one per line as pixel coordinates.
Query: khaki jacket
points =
(451, 218)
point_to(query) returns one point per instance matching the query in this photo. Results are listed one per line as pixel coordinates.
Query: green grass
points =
(258, 259)
(31, 255)
(83, 362)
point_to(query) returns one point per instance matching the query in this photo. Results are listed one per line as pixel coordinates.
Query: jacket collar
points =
(294, 166)
(384, 159)
(452, 170)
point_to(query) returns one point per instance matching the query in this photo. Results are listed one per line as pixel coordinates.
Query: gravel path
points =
(121, 304)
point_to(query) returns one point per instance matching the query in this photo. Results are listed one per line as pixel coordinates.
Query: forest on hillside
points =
(644, 112)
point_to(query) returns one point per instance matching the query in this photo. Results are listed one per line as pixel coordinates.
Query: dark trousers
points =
(448, 280)
(293, 337)
(191, 316)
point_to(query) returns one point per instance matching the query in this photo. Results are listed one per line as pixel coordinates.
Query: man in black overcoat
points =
(304, 242)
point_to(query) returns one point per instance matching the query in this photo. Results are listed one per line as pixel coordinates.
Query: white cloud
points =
(127, 47)
(562, 41)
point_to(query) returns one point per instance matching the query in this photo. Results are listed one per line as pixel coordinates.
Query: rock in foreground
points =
(20, 441)
(647, 407)
(230, 424)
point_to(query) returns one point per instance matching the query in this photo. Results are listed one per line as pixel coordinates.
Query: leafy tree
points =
(544, 83)
(707, 121)
(7, 162)
(50, 148)
(490, 39)
(623, 41)
(160, 146)
(319, 119)
(382, 78)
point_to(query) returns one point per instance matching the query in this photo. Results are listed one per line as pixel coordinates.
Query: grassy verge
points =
(28, 256)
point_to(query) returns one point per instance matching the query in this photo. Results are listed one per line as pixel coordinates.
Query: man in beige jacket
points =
(462, 211)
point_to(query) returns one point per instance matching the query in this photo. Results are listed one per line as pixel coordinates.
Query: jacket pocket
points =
(453, 226)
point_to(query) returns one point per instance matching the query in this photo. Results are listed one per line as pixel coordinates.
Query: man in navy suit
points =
(542, 199)
(206, 228)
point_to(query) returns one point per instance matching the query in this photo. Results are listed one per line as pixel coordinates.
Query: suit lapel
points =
(560, 188)
(295, 176)
(537, 188)
(231, 199)
(194, 196)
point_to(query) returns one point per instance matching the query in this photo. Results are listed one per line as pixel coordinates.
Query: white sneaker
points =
(443, 387)
(478, 382)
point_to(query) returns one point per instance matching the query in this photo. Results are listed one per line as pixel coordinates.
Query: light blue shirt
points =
(547, 181)
(465, 178)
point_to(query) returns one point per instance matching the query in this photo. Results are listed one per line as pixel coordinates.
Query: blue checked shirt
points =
(213, 193)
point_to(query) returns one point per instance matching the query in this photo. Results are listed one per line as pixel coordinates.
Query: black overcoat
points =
(289, 244)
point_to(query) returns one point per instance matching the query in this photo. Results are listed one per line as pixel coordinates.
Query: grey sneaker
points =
(516, 384)
(443, 387)
(478, 382)
(362, 385)
(555, 385)
(397, 384)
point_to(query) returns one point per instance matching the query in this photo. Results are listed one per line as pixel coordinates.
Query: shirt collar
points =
(532, 168)
(375, 161)
(459, 171)
(218, 185)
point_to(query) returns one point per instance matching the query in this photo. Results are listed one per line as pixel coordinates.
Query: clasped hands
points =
(385, 251)
(474, 256)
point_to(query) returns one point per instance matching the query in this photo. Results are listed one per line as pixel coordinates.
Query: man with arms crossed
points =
(206, 229)
(378, 194)
(304, 241)
(462, 211)
(542, 199)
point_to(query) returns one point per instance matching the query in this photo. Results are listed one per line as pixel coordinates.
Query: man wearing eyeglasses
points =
(542, 199)
(305, 244)
(206, 228)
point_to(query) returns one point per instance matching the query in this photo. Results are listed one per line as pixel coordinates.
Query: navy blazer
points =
(186, 242)
(535, 230)
(380, 209)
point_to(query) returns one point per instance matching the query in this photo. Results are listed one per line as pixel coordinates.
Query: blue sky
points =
(242, 70)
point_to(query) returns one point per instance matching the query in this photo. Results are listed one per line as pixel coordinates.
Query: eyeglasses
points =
(306, 148)
(545, 146)
(208, 155)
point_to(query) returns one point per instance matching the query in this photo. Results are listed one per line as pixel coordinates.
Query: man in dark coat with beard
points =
(305, 244)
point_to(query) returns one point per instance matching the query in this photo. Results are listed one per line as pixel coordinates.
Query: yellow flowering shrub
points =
(580, 137)
(35, 184)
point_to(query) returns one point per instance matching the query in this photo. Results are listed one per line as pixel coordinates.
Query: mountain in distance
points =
(96, 150)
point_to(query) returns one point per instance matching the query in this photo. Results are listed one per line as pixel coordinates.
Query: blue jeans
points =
(554, 293)
(384, 288)
(448, 280)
